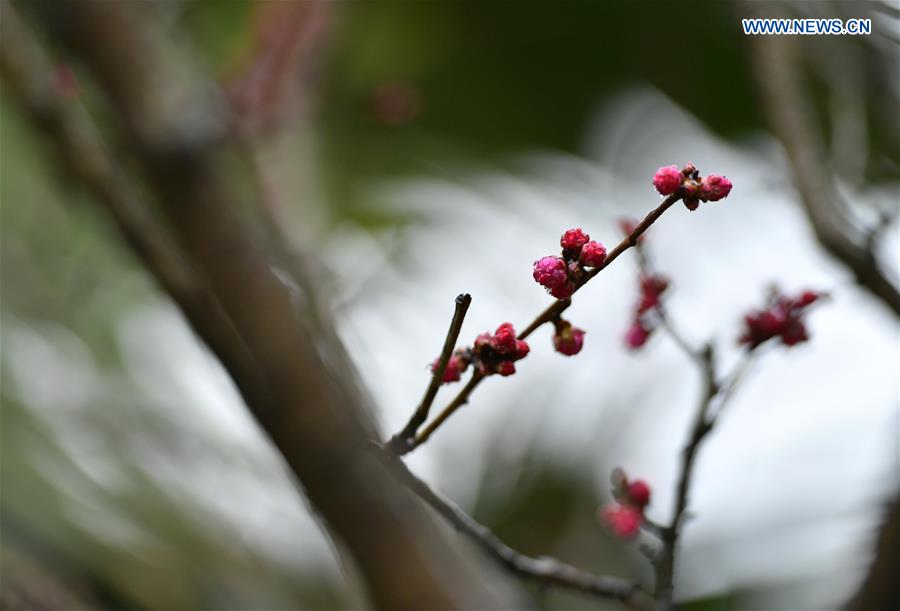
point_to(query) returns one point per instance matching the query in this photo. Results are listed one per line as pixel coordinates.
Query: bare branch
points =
(714, 397)
(790, 111)
(401, 440)
(549, 314)
(545, 570)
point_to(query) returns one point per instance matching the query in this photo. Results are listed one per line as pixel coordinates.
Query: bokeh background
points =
(420, 150)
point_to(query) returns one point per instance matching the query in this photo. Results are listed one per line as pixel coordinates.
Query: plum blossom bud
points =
(522, 349)
(504, 340)
(563, 291)
(714, 187)
(550, 272)
(593, 254)
(506, 368)
(573, 240)
(637, 335)
(568, 340)
(624, 520)
(639, 493)
(667, 179)
(456, 364)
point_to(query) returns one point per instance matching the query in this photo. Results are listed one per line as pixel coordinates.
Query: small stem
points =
(400, 443)
(714, 393)
(458, 401)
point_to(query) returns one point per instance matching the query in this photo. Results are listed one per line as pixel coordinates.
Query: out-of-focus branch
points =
(545, 570)
(789, 111)
(404, 437)
(714, 396)
(549, 314)
(881, 589)
(290, 376)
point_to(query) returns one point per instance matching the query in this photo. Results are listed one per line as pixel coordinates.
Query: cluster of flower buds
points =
(782, 317)
(694, 188)
(567, 339)
(491, 353)
(561, 275)
(652, 286)
(626, 514)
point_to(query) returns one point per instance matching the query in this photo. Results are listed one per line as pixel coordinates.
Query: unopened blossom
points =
(667, 179)
(652, 287)
(573, 240)
(495, 352)
(506, 368)
(637, 335)
(783, 317)
(551, 272)
(714, 187)
(563, 291)
(504, 340)
(567, 339)
(593, 254)
(638, 493)
(624, 520)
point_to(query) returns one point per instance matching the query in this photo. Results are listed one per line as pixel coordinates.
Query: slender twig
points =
(662, 315)
(545, 570)
(458, 401)
(401, 440)
(549, 314)
(713, 399)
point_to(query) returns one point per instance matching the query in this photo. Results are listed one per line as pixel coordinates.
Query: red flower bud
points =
(639, 493)
(624, 520)
(593, 254)
(573, 240)
(667, 179)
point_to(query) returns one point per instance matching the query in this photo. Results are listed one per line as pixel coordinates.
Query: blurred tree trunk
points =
(276, 342)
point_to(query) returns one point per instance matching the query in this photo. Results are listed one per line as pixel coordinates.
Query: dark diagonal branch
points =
(544, 570)
(789, 110)
(404, 437)
(549, 314)
(289, 373)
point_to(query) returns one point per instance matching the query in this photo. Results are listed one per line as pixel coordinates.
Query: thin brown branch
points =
(790, 112)
(545, 570)
(549, 314)
(403, 440)
(458, 401)
(714, 397)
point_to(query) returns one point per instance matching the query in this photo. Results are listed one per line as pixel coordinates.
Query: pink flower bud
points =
(506, 368)
(568, 340)
(504, 340)
(667, 179)
(563, 291)
(593, 254)
(624, 520)
(714, 187)
(783, 317)
(550, 272)
(455, 366)
(574, 239)
(522, 349)
(639, 493)
(636, 336)
(807, 298)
